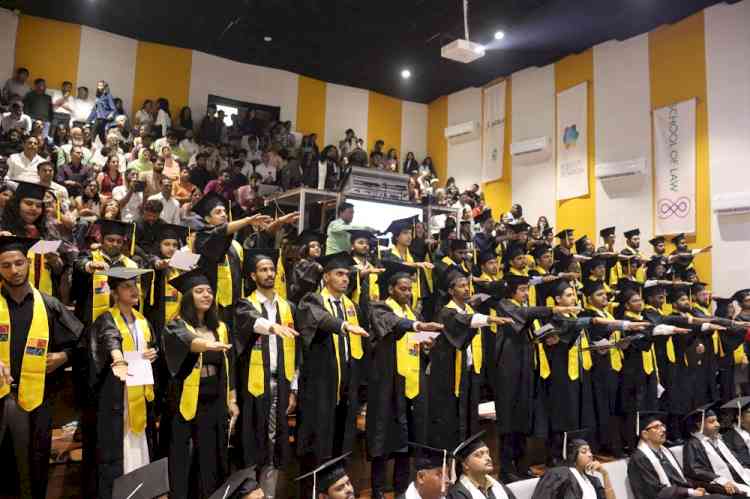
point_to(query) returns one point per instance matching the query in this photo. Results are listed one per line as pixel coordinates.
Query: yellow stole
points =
(718, 348)
(476, 349)
(407, 352)
(576, 351)
(171, 296)
(416, 286)
(550, 301)
(615, 354)
(648, 357)
(137, 395)
(493, 312)
(224, 277)
(34, 362)
(618, 272)
(279, 283)
(256, 379)
(45, 278)
(100, 296)
(372, 279)
(671, 357)
(355, 342)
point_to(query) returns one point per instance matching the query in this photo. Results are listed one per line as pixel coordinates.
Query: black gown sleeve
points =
(176, 341)
(212, 243)
(458, 329)
(245, 315)
(384, 322)
(66, 328)
(104, 338)
(554, 484)
(644, 482)
(695, 462)
(313, 316)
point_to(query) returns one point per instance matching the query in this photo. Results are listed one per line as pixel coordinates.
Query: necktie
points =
(339, 309)
(341, 338)
(672, 474)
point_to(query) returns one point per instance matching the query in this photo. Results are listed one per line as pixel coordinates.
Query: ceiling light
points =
(405, 74)
(499, 35)
(479, 49)
(267, 38)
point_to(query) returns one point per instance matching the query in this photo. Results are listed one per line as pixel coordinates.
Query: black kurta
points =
(559, 483)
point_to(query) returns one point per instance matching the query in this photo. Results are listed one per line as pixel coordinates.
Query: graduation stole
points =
(549, 302)
(191, 385)
(34, 362)
(355, 342)
(617, 271)
(648, 357)
(718, 348)
(279, 283)
(449, 261)
(137, 395)
(476, 348)
(615, 354)
(671, 357)
(41, 279)
(416, 287)
(100, 296)
(171, 296)
(256, 379)
(224, 277)
(541, 354)
(493, 313)
(372, 280)
(407, 352)
(427, 272)
(578, 351)
(532, 289)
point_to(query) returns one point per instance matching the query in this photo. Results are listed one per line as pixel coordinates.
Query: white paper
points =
(139, 370)
(535, 280)
(659, 391)
(423, 336)
(43, 247)
(184, 260)
(487, 409)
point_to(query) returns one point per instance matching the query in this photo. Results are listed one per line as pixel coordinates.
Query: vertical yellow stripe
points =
(437, 147)
(579, 213)
(311, 106)
(384, 121)
(678, 72)
(49, 49)
(162, 71)
(498, 193)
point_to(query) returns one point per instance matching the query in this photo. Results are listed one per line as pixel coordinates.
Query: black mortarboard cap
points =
(564, 233)
(513, 281)
(117, 275)
(644, 418)
(546, 232)
(188, 280)
(146, 482)
(327, 474)
(540, 250)
(171, 231)
(430, 458)
(700, 414)
(114, 227)
(697, 287)
(254, 255)
(652, 264)
(307, 236)
(402, 224)
(581, 244)
(237, 483)
(393, 269)
(208, 202)
(606, 232)
(632, 232)
(15, 243)
(590, 265)
(518, 227)
(360, 234)
(468, 446)
(514, 250)
(572, 442)
(484, 216)
(341, 260)
(740, 404)
(458, 244)
(30, 190)
(591, 286)
(740, 295)
(677, 238)
(649, 291)
(486, 256)
(560, 286)
(676, 293)
(453, 276)
(656, 240)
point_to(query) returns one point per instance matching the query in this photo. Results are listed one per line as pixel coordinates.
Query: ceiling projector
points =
(462, 51)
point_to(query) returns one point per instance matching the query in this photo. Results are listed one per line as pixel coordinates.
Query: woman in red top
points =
(110, 177)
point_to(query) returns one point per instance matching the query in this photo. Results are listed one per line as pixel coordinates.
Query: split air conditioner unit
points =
(731, 203)
(531, 151)
(462, 130)
(621, 169)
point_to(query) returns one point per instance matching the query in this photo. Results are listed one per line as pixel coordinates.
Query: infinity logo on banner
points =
(667, 208)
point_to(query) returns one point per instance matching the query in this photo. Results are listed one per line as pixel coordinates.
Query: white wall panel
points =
(346, 107)
(728, 75)
(622, 107)
(243, 82)
(8, 29)
(413, 130)
(533, 116)
(109, 57)
(465, 157)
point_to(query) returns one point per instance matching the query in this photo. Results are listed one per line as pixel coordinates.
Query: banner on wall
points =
(674, 168)
(493, 132)
(572, 143)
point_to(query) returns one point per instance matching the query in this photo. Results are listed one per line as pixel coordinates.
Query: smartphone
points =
(139, 186)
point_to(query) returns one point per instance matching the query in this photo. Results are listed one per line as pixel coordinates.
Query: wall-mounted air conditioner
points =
(621, 169)
(531, 151)
(731, 203)
(462, 130)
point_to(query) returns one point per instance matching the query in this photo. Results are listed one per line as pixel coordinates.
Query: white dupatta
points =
(497, 490)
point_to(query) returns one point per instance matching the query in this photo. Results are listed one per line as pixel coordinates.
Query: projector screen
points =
(380, 215)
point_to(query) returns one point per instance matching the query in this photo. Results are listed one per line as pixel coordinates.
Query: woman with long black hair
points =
(201, 396)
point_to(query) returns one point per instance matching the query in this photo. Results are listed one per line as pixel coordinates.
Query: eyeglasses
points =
(657, 426)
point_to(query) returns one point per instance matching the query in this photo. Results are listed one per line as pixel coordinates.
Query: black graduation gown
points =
(495, 290)
(515, 375)
(65, 331)
(697, 465)
(213, 245)
(543, 290)
(457, 418)
(440, 282)
(254, 411)
(82, 289)
(683, 395)
(204, 435)
(559, 483)
(706, 385)
(420, 251)
(644, 481)
(110, 404)
(325, 428)
(731, 339)
(392, 418)
(458, 491)
(737, 445)
(305, 279)
(639, 389)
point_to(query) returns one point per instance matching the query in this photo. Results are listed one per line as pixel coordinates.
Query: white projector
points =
(462, 51)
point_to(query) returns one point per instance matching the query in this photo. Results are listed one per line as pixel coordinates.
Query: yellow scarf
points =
(374, 293)
(615, 354)
(416, 286)
(476, 349)
(576, 351)
(45, 278)
(407, 352)
(256, 379)
(355, 342)
(279, 283)
(224, 277)
(648, 357)
(100, 296)
(172, 297)
(191, 385)
(34, 362)
(137, 395)
(493, 313)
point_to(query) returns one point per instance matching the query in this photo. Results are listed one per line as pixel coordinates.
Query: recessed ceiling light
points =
(499, 35)
(405, 74)
(479, 49)
(267, 38)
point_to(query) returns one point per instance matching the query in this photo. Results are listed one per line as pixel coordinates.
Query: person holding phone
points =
(130, 196)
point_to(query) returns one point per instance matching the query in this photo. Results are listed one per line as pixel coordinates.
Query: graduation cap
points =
(518, 227)
(656, 240)
(563, 261)
(171, 231)
(468, 446)
(697, 287)
(394, 270)
(484, 216)
(676, 293)
(326, 474)
(591, 286)
(29, 190)
(649, 291)
(560, 286)
(188, 280)
(740, 295)
(235, 483)
(546, 232)
(596, 261)
(307, 236)
(514, 250)
(486, 256)
(255, 255)
(606, 232)
(453, 276)
(653, 264)
(581, 244)
(742, 404)
(15, 243)
(114, 227)
(564, 233)
(540, 250)
(360, 234)
(341, 260)
(118, 275)
(458, 244)
(430, 458)
(700, 414)
(208, 202)
(401, 225)
(644, 418)
(572, 443)
(145, 482)
(632, 232)
(678, 238)
(627, 288)
(513, 281)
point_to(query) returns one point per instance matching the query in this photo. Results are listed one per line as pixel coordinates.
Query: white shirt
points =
(477, 321)
(81, 109)
(65, 106)
(131, 211)
(189, 146)
(9, 122)
(263, 326)
(21, 168)
(143, 117)
(170, 212)
(164, 121)
(265, 171)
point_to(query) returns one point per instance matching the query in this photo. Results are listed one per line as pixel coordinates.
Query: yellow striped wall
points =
(498, 192)
(49, 49)
(162, 71)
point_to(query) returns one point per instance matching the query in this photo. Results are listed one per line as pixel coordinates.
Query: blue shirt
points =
(104, 108)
